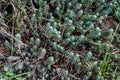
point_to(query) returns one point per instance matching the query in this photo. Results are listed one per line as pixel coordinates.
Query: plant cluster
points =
(59, 40)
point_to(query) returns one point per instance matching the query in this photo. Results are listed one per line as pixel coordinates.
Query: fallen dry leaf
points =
(2, 50)
(108, 23)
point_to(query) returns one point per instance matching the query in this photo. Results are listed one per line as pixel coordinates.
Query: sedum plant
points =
(67, 35)
(88, 56)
